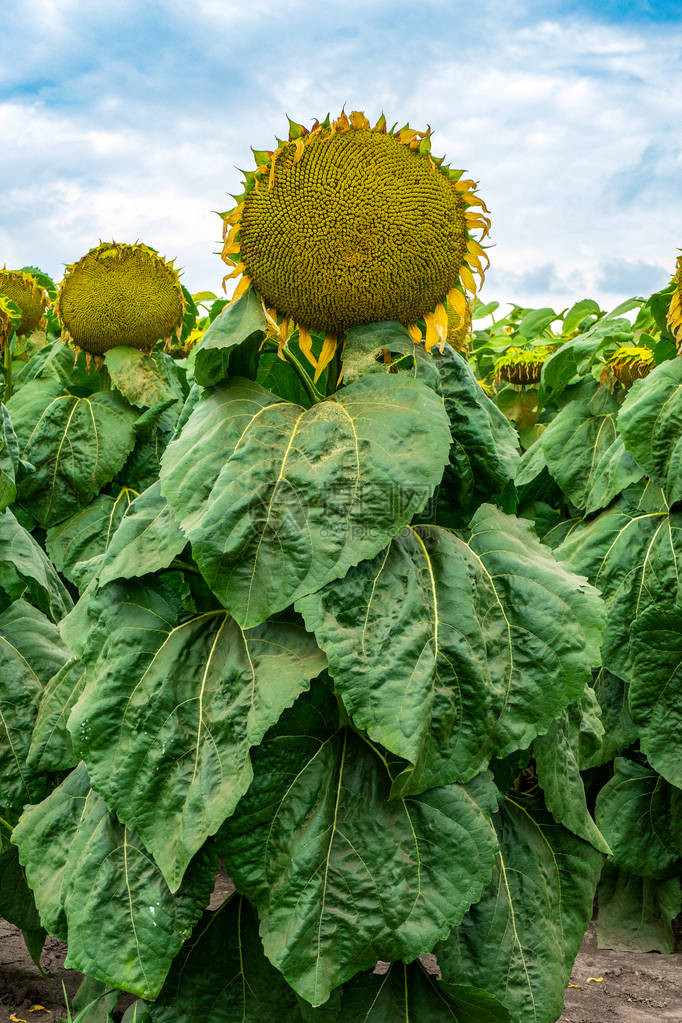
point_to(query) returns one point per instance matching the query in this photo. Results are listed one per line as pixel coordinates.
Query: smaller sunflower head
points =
(10, 317)
(520, 367)
(24, 290)
(675, 310)
(627, 364)
(120, 294)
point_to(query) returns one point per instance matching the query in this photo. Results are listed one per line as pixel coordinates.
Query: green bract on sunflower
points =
(344, 224)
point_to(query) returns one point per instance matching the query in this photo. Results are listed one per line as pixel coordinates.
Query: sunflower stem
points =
(7, 366)
(300, 372)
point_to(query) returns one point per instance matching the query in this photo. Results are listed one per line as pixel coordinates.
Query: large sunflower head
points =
(675, 310)
(120, 295)
(346, 224)
(24, 290)
(520, 367)
(627, 364)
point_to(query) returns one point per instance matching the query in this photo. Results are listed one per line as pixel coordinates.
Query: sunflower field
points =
(351, 588)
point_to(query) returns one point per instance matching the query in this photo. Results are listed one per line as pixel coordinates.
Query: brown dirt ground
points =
(636, 988)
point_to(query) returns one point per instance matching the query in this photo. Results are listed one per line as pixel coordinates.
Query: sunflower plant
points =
(288, 604)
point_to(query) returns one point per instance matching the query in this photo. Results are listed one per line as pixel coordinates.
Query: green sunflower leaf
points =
(450, 649)
(144, 379)
(640, 816)
(96, 887)
(86, 535)
(171, 709)
(76, 445)
(278, 500)
(408, 993)
(650, 423)
(618, 729)
(26, 571)
(51, 748)
(632, 552)
(557, 761)
(582, 450)
(370, 877)
(223, 976)
(519, 942)
(240, 324)
(656, 688)
(30, 653)
(636, 913)
(147, 539)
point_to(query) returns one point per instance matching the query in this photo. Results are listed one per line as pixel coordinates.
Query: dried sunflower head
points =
(520, 367)
(627, 364)
(347, 223)
(120, 295)
(10, 317)
(24, 290)
(675, 310)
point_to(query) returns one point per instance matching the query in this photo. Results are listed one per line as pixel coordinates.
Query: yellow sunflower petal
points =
(241, 288)
(299, 146)
(432, 332)
(326, 355)
(467, 278)
(358, 120)
(457, 299)
(305, 343)
(415, 333)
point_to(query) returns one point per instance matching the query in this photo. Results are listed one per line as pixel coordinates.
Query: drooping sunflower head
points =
(10, 318)
(345, 224)
(520, 367)
(675, 310)
(24, 290)
(120, 294)
(627, 364)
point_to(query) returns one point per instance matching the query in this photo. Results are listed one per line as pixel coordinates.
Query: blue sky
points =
(127, 120)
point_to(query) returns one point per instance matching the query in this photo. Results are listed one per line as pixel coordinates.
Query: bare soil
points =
(634, 988)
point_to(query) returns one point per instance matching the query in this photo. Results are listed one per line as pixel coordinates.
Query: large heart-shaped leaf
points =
(485, 450)
(96, 886)
(635, 913)
(223, 976)
(449, 650)
(367, 877)
(519, 942)
(650, 423)
(30, 652)
(408, 994)
(578, 438)
(171, 709)
(86, 535)
(147, 539)
(26, 571)
(656, 688)
(632, 552)
(278, 500)
(640, 816)
(76, 445)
